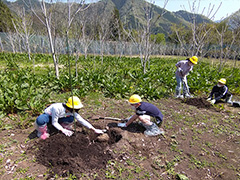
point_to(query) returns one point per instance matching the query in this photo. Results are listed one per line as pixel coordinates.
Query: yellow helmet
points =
(194, 59)
(135, 99)
(74, 102)
(222, 80)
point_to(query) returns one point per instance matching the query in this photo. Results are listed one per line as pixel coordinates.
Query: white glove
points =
(209, 99)
(180, 69)
(67, 132)
(98, 131)
(122, 125)
(213, 101)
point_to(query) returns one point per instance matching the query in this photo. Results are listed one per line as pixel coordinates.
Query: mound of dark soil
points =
(76, 154)
(198, 102)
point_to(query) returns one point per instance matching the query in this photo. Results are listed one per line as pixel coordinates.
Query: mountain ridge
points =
(132, 14)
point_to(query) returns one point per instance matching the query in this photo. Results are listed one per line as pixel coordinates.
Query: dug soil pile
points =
(80, 153)
(198, 102)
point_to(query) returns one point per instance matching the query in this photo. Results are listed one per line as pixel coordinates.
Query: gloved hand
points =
(67, 132)
(209, 99)
(122, 125)
(180, 69)
(213, 101)
(98, 131)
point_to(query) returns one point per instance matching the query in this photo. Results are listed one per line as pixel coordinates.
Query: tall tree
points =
(227, 38)
(142, 39)
(23, 27)
(45, 17)
(199, 31)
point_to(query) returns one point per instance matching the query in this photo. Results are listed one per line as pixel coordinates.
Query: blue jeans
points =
(179, 85)
(43, 119)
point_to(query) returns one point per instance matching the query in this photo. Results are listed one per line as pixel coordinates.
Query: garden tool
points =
(107, 118)
(188, 95)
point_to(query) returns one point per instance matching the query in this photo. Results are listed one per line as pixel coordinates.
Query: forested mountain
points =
(233, 20)
(131, 13)
(5, 17)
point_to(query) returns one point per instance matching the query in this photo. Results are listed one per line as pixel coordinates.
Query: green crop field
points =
(27, 86)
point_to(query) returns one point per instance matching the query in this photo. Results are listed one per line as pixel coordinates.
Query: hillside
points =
(132, 14)
(234, 20)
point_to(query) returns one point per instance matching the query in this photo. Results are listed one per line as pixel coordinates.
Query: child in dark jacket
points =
(144, 111)
(220, 91)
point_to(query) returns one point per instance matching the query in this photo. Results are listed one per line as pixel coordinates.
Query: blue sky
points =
(226, 9)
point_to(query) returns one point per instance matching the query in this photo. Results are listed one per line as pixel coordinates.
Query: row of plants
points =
(27, 88)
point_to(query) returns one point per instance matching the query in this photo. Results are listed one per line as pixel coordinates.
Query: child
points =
(220, 91)
(183, 68)
(61, 116)
(144, 112)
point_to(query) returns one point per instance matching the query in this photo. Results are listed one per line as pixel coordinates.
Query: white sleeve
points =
(55, 120)
(83, 121)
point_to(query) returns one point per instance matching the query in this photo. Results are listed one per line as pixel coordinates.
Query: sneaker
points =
(188, 96)
(230, 102)
(179, 96)
(153, 130)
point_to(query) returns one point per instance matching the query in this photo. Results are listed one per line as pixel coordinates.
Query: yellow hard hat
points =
(74, 102)
(135, 99)
(222, 80)
(194, 59)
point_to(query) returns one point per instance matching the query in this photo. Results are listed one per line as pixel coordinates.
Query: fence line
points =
(10, 42)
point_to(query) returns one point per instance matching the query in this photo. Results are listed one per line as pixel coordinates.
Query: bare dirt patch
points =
(74, 155)
(198, 143)
(198, 102)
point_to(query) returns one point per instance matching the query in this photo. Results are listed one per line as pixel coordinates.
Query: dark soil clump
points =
(198, 102)
(76, 154)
